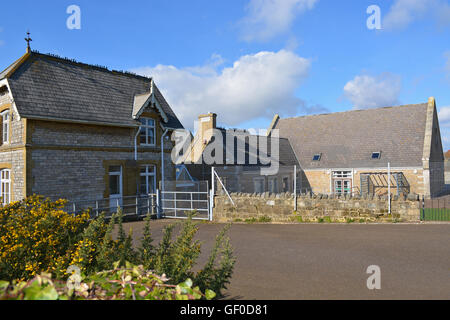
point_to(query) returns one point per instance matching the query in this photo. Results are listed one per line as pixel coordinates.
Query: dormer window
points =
(376, 155)
(148, 132)
(5, 126)
(317, 157)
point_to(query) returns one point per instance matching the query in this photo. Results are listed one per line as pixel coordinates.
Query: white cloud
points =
(258, 85)
(365, 91)
(269, 18)
(404, 12)
(444, 116)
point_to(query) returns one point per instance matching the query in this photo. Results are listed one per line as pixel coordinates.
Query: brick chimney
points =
(206, 122)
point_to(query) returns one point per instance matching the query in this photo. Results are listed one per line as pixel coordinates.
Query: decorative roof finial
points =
(28, 40)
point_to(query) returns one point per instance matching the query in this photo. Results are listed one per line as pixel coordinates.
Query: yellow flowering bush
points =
(37, 236)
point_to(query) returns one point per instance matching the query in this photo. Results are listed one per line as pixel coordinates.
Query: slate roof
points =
(286, 153)
(347, 139)
(53, 88)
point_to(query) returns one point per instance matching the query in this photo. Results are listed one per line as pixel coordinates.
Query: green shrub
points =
(349, 220)
(320, 220)
(327, 219)
(177, 258)
(265, 219)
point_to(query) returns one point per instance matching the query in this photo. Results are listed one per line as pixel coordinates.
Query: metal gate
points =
(178, 204)
(183, 197)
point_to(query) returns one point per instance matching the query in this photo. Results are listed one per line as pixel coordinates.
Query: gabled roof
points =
(348, 139)
(54, 88)
(286, 156)
(11, 68)
(142, 101)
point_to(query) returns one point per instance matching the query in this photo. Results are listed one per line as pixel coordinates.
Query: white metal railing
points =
(164, 204)
(131, 205)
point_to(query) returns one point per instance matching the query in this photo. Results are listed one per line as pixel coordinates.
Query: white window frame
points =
(273, 185)
(288, 183)
(3, 182)
(376, 153)
(148, 175)
(5, 126)
(343, 174)
(146, 127)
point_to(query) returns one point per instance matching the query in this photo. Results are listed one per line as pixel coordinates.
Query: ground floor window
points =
(148, 179)
(286, 184)
(259, 185)
(342, 182)
(273, 185)
(5, 186)
(115, 180)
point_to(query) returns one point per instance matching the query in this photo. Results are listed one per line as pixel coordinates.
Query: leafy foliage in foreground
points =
(129, 283)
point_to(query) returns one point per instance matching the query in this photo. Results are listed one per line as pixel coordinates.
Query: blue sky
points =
(249, 59)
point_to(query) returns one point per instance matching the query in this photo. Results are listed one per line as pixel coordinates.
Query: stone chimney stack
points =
(206, 122)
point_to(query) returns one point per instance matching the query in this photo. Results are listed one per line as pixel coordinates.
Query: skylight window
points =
(317, 157)
(376, 155)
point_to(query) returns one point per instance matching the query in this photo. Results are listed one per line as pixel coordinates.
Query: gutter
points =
(162, 158)
(98, 123)
(135, 143)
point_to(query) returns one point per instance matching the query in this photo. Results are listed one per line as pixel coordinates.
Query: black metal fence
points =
(437, 209)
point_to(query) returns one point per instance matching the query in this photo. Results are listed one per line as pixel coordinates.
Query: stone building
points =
(237, 171)
(447, 168)
(77, 131)
(349, 152)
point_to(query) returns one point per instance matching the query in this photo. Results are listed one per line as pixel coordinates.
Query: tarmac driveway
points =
(329, 261)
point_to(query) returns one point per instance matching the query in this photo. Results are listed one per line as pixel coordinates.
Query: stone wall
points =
(83, 175)
(319, 181)
(14, 160)
(447, 171)
(71, 161)
(280, 208)
(4, 98)
(12, 156)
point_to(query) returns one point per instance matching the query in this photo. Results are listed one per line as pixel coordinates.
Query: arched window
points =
(5, 183)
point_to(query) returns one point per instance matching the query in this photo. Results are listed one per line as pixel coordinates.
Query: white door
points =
(115, 188)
